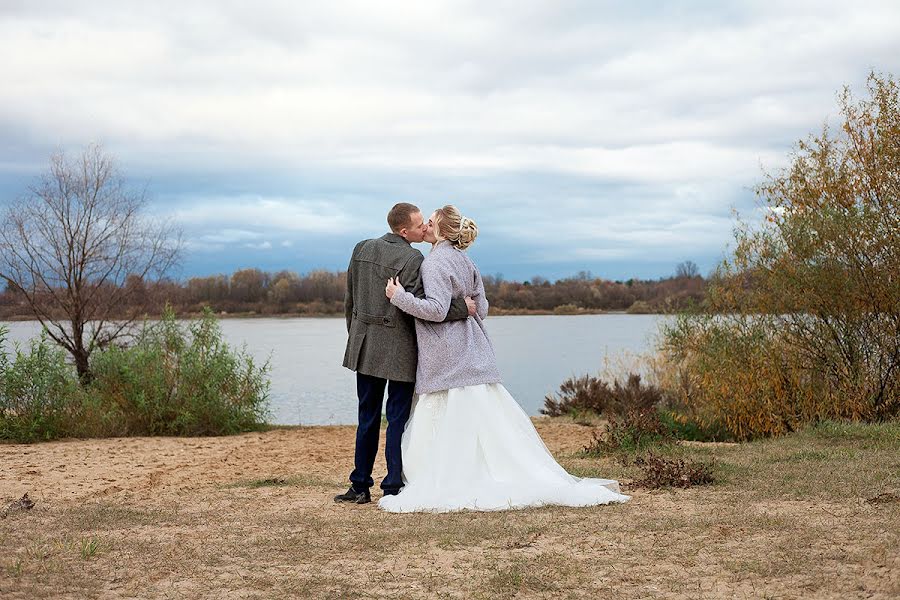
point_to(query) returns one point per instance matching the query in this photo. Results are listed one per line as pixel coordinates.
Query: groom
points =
(381, 344)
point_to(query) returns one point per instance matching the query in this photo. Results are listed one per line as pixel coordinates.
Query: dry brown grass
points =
(252, 516)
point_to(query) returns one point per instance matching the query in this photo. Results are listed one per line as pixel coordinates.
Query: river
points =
(535, 355)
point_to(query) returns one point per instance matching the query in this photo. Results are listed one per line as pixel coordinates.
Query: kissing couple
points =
(462, 442)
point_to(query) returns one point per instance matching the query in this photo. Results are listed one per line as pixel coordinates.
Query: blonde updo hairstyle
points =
(452, 226)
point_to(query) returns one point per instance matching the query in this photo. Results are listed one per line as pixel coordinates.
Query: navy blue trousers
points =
(370, 391)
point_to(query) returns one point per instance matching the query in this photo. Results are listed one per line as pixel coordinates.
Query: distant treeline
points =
(252, 291)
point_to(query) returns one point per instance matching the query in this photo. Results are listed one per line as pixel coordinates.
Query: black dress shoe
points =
(353, 496)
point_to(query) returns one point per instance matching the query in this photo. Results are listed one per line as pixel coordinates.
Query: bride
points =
(468, 444)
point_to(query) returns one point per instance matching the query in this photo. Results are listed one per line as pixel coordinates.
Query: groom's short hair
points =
(399, 216)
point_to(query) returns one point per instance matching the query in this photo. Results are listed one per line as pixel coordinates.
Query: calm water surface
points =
(535, 355)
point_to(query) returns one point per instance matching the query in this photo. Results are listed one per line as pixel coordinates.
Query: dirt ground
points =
(252, 516)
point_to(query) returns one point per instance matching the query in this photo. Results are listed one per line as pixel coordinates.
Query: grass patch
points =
(824, 461)
(90, 547)
(14, 568)
(804, 456)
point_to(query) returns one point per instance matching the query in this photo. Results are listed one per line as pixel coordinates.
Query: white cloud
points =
(229, 236)
(210, 224)
(267, 245)
(441, 86)
(263, 214)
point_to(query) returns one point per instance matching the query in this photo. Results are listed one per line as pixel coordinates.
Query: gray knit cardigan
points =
(454, 353)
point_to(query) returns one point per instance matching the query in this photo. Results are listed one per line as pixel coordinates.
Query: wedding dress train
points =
(474, 448)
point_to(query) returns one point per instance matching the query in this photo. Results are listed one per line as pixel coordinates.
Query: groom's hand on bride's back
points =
(470, 304)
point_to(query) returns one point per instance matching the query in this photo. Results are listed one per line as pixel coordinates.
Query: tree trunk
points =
(82, 367)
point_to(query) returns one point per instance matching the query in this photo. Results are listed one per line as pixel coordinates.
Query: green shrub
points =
(39, 393)
(174, 380)
(181, 381)
(682, 427)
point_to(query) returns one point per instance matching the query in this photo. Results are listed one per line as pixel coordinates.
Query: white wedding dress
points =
(474, 448)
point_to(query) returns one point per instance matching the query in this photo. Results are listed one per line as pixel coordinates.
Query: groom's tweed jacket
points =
(382, 339)
(453, 353)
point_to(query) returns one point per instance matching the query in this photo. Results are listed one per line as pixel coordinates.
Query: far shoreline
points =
(298, 315)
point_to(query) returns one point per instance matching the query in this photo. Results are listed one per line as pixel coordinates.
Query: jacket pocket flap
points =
(385, 320)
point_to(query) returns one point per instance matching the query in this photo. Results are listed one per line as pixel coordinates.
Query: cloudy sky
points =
(615, 137)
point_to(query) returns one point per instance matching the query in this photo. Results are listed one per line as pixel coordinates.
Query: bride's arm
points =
(438, 291)
(410, 278)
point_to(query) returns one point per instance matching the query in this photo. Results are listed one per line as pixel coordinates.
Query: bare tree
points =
(687, 268)
(77, 247)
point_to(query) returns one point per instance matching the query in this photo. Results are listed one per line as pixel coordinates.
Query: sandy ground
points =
(159, 468)
(194, 518)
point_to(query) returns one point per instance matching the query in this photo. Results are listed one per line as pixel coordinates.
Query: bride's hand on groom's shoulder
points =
(393, 285)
